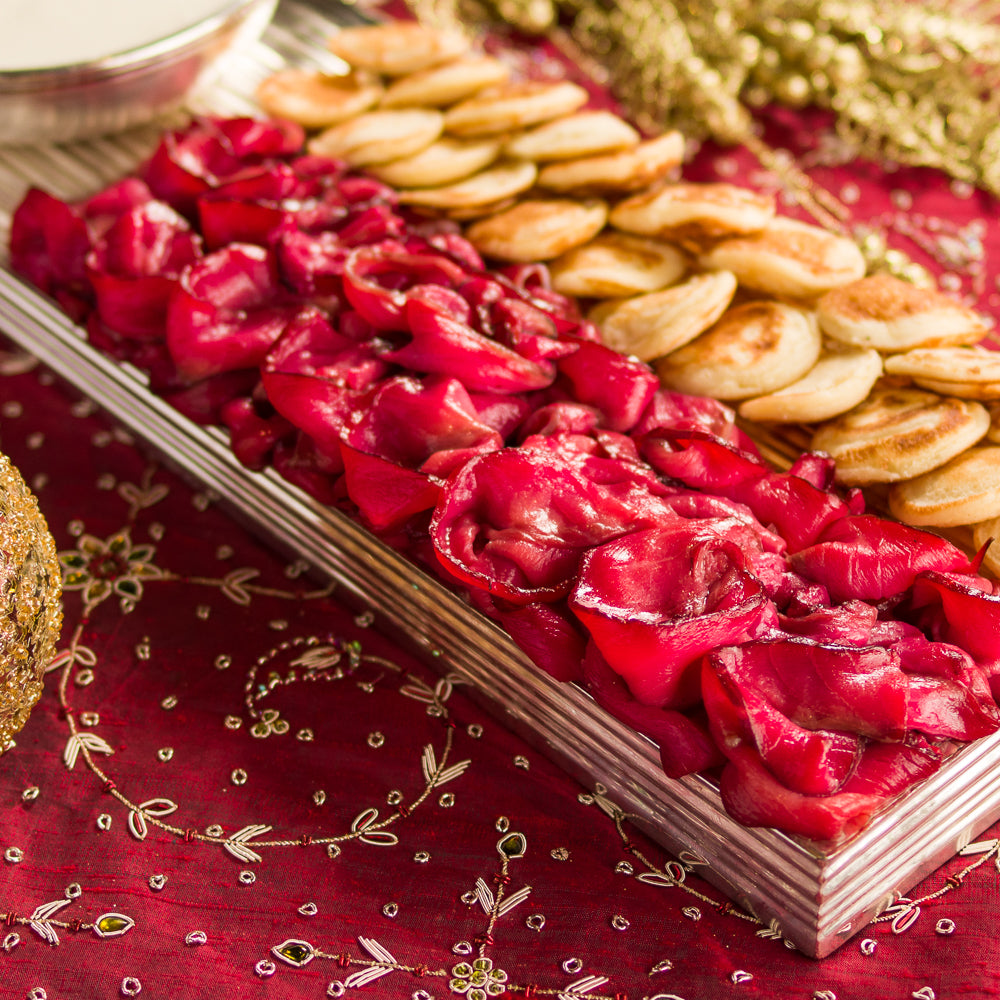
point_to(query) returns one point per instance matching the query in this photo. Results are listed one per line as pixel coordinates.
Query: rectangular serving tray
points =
(814, 899)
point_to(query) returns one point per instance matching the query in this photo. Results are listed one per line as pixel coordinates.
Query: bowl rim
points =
(136, 58)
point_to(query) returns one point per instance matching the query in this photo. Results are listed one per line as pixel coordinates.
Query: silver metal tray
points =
(816, 899)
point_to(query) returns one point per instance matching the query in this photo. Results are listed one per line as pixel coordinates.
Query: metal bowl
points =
(83, 100)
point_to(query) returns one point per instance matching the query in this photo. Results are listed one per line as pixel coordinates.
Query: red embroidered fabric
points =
(228, 697)
(237, 785)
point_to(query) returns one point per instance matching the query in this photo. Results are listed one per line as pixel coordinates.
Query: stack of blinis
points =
(723, 296)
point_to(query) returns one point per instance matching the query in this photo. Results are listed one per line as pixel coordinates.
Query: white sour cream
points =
(39, 34)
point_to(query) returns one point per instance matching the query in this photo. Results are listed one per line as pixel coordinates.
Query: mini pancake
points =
(379, 136)
(968, 372)
(538, 229)
(962, 491)
(615, 265)
(890, 314)
(629, 170)
(652, 326)
(585, 133)
(470, 213)
(504, 180)
(396, 48)
(440, 86)
(837, 382)
(788, 259)
(898, 434)
(983, 391)
(993, 434)
(694, 211)
(317, 100)
(753, 348)
(512, 106)
(988, 531)
(442, 162)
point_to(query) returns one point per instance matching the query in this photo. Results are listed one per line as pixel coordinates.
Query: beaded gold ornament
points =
(30, 601)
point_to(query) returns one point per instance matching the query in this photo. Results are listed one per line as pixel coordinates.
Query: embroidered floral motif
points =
(113, 566)
(478, 980)
(270, 723)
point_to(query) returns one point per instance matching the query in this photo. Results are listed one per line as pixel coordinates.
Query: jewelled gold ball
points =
(30, 601)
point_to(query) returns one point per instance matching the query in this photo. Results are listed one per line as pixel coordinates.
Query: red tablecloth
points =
(207, 682)
(216, 687)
